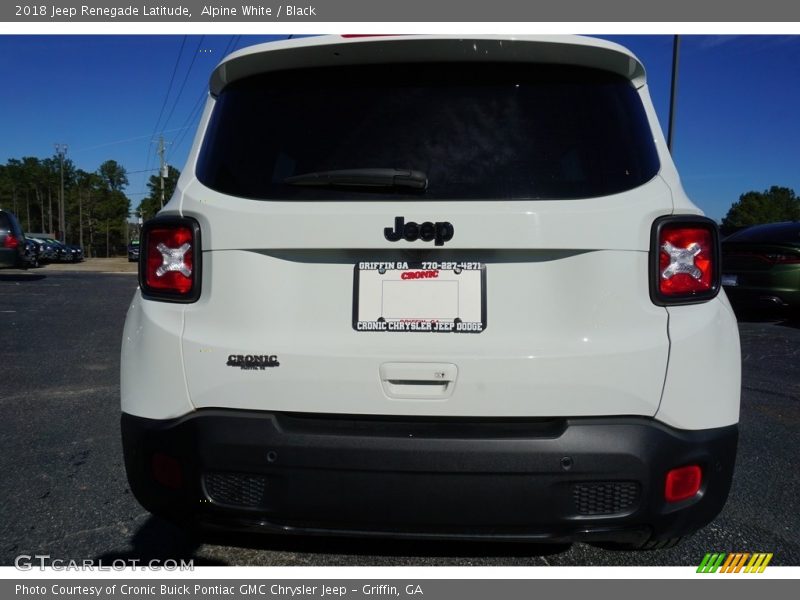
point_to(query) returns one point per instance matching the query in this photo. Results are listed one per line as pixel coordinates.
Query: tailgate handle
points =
(418, 381)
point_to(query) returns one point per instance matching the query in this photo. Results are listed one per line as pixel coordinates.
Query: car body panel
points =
(547, 350)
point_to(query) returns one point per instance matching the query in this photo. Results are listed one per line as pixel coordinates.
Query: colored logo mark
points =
(734, 562)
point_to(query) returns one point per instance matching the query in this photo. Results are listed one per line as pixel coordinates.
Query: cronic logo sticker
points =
(253, 362)
(439, 232)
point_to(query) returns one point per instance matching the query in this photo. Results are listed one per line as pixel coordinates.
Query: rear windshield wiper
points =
(377, 178)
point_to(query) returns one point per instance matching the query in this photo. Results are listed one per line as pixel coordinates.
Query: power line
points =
(169, 87)
(166, 97)
(125, 141)
(185, 79)
(189, 122)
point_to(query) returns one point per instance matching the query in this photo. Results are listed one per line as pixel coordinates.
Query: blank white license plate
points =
(441, 297)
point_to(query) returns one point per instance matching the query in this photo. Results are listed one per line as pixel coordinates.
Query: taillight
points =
(684, 260)
(169, 268)
(10, 241)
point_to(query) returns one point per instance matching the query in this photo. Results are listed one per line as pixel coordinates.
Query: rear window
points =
(8, 222)
(478, 131)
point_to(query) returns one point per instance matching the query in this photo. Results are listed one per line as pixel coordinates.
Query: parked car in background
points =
(761, 267)
(55, 251)
(48, 252)
(33, 251)
(74, 252)
(133, 251)
(12, 241)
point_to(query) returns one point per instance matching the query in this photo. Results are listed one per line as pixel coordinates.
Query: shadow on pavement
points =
(160, 540)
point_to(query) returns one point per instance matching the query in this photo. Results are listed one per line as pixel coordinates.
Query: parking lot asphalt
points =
(64, 491)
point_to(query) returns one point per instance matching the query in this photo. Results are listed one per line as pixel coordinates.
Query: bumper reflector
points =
(683, 483)
(167, 471)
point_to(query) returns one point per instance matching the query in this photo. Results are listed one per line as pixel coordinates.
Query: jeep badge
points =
(441, 232)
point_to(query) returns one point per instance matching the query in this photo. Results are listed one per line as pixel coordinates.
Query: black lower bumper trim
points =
(554, 480)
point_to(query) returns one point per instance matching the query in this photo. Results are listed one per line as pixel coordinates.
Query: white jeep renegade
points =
(432, 287)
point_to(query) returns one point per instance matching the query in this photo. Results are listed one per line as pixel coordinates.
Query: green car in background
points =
(761, 267)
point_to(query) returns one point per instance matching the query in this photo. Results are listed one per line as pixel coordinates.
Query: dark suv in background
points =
(12, 241)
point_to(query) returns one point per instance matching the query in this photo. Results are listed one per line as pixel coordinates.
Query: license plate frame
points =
(456, 288)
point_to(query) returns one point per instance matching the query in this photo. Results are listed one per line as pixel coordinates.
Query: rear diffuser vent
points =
(606, 498)
(236, 489)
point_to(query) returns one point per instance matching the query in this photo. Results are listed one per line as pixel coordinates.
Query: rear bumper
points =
(10, 257)
(541, 480)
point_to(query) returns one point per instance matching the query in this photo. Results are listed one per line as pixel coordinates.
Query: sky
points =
(737, 120)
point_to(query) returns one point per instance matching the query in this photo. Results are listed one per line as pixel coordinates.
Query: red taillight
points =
(10, 241)
(683, 483)
(169, 268)
(686, 260)
(169, 259)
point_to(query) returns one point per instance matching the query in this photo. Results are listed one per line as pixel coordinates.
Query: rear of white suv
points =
(433, 287)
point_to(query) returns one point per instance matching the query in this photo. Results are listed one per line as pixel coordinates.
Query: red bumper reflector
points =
(167, 471)
(683, 483)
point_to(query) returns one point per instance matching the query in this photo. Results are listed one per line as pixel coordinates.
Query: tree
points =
(96, 208)
(150, 205)
(33, 177)
(114, 175)
(770, 206)
(88, 191)
(114, 207)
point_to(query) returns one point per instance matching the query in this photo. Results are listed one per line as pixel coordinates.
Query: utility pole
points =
(61, 150)
(673, 94)
(80, 219)
(162, 171)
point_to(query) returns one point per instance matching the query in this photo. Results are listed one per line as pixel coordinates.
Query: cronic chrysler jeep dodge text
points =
(432, 287)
